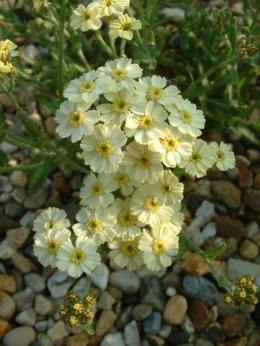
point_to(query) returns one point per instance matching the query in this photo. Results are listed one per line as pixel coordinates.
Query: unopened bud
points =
(251, 300)
(249, 42)
(63, 310)
(72, 297)
(217, 13)
(241, 42)
(228, 299)
(72, 321)
(87, 317)
(240, 293)
(251, 289)
(77, 309)
(242, 53)
(252, 50)
(239, 302)
(240, 281)
(228, 13)
(89, 301)
(249, 279)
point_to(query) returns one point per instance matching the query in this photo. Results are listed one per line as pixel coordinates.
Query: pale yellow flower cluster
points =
(7, 52)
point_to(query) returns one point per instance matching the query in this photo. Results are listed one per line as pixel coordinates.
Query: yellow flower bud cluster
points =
(244, 292)
(246, 47)
(77, 312)
(7, 52)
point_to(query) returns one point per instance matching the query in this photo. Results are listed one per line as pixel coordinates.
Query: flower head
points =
(7, 50)
(86, 18)
(168, 189)
(51, 219)
(109, 8)
(123, 27)
(224, 157)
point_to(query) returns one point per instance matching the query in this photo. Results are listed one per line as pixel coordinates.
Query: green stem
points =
(209, 72)
(84, 60)
(136, 32)
(87, 285)
(236, 81)
(113, 47)
(18, 144)
(256, 16)
(104, 45)
(122, 48)
(27, 77)
(61, 48)
(21, 168)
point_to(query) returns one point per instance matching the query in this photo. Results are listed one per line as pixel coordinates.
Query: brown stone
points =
(195, 265)
(256, 182)
(105, 322)
(233, 324)
(248, 250)
(242, 162)
(4, 327)
(7, 283)
(171, 279)
(175, 310)
(256, 239)
(244, 178)
(115, 293)
(7, 306)
(61, 185)
(200, 315)
(6, 223)
(252, 199)
(228, 227)
(21, 263)
(81, 339)
(235, 342)
(226, 193)
(16, 237)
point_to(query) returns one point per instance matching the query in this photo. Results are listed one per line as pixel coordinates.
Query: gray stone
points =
(152, 293)
(237, 267)
(16, 237)
(175, 13)
(19, 194)
(79, 285)
(59, 283)
(18, 178)
(23, 336)
(170, 291)
(144, 272)
(5, 186)
(27, 218)
(210, 230)
(251, 229)
(257, 282)
(41, 326)
(214, 333)
(165, 331)
(35, 282)
(24, 299)
(100, 277)
(13, 209)
(8, 148)
(37, 200)
(152, 324)
(26, 317)
(58, 331)
(131, 334)
(187, 325)
(115, 339)
(203, 342)
(7, 306)
(105, 301)
(142, 311)
(126, 281)
(30, 53)
(43, 305)
(124, 317)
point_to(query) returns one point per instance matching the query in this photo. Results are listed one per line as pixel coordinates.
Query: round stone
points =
(175, 310)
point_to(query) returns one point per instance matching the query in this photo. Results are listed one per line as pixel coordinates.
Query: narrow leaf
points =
(182, 250)
(221, 281)
(38, 177)
(224, 55)
(90, 330)
(3, 158)
(213, 253)
(232, 34)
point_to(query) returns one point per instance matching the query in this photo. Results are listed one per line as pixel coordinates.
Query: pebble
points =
(7, 223)
(105, 301)
(144, 272)
(115, 339)
(200, 289)
(35, 282)
(41, 326)
(171, 279)
(229, 227)
(237, 267)
(203, 342)
(252, 199)
(100, 277)
(226, 193)
(175, 310)
(19, 194)
(200, 315)
(105, 322)
(175, 13)
(253, 155)
(232, 247)
(58, 331)
(248, 250)
(7, 283)
(4, 328)
(22, 263)
(178, 337)
(165, 331)
(203, 215)
(187, 325)
(214, 333)
(141, 312)
(6, 251)
(233, 324)
(5, 197)
(125, 280)
(13, 209)
(131, 334)
(195, 236)
(210, 230)
(124, 317)
(59, 283)
(8, 148)
(27, 218)
(171, 291)
(19, 336)
(37, 200)
(245, 178)
(5, 186)
(43, 305)
(7, 306)
(30, 53)
(195, 265)
(233, 173)
(242, 162)
(26, 317)
(17, 237)
(152, 293)
(24, 299)
(256, 182)
(50, 126)
(81, 339)
(152, 324)
(18, 178)
(251, 229)
(44, 110)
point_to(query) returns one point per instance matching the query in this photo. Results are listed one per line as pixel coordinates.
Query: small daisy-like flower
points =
(176, 221)
(46, 245)
(102, 149)
(124, 182)
(86, 18)
(144, 204)
(199, 161)
(111, 7)
(97, 225)
(51, 219)
(173, 145)
(75, 120)
(168, 189)
(186, 116)
(158, 247)
(96, 192)
(153, 89)
(78, 259)
(142, 164)
(121, 74)
(123, 27)
(147, 126)
(87, 87)
(127, 223)
(224, 157)
(7, 50)
(126, 253)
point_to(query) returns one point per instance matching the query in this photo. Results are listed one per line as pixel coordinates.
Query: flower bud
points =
(63, 310)
(77, 309)
(228, 299)
(228, 13)
(252, 50)
(240, 281)
(72, 321)
(241, 42)
(240, 293)
(242, 53)
(89, 301)
(251, 288)
(239, 302)
(72, 297)
(87, 317)
(217, 14)
(249, 42)
(251, 300)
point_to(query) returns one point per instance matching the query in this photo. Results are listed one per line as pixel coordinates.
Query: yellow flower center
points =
(220, 156)
(159, 246)
(94, 225)
(169, 143)
(122, 179)
(119, 74)
(185, 117)
(146, 122)
(144, 160)
(87, 87)
(97, 189)
(77, 257)
(120, 106)
(129, 248)
(107, 3)
(195, 157)
(126, 27)
(155, 94)
(166, 188)
(51, 224)
(150, 205)
(85, 16)
(104, 148)
(76, 118)
(52, 246)
(126, 219)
